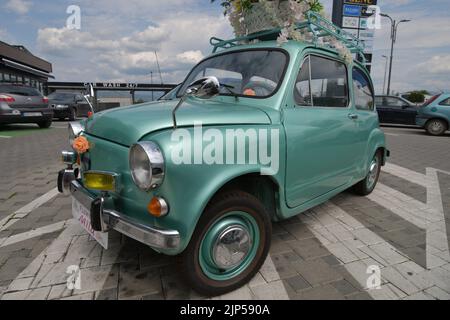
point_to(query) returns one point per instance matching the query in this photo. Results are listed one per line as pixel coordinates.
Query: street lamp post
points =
(394, 26)
(385, 73)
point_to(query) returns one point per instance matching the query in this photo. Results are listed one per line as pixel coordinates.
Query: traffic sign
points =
(352, 10)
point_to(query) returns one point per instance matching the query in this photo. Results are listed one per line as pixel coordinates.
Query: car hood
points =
(127, 125)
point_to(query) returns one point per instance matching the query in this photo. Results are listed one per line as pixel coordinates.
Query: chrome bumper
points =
(103, 219)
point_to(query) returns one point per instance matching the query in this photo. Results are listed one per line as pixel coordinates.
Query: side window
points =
(321, 82)
(362, 90)
(446, 102)
(302, 94)
(378, 100)
(395, 103)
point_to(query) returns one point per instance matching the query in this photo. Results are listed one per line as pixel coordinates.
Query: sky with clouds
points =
(118, 38)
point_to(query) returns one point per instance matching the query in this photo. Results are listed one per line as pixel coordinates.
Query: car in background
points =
(171, 95)
(66, 104)
(24, 104)
(395, 110)
(434, 115)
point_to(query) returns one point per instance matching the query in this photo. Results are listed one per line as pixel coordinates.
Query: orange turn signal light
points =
(158, 207)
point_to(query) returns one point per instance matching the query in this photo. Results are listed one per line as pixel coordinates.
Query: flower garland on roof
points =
(283, 14)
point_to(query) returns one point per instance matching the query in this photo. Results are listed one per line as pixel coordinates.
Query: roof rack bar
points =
(316, 24)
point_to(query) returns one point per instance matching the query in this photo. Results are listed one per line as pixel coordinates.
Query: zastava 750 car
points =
(258, 133)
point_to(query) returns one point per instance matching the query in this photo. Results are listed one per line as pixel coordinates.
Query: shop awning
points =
(25, 68)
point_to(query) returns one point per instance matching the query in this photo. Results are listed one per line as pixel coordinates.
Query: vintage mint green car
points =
(158, 173)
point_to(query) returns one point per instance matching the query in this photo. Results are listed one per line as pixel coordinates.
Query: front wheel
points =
(366, 186)
(436, 127)
(229, 245)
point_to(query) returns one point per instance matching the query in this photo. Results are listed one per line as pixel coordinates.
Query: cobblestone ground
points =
(402, 228)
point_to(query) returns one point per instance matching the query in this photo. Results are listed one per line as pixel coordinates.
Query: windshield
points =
(251, 73)
(172, 94)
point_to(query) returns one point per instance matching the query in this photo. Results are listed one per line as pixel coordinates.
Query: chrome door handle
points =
(353, 116)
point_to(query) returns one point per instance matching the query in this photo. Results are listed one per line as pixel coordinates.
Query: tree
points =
(417, 96)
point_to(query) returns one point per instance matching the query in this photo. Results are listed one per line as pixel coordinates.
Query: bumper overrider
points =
(103, 219)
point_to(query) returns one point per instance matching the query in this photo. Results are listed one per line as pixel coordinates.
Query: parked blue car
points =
(434, 115)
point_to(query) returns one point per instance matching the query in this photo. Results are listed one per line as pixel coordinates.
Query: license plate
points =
(83, 216)
(32, 114)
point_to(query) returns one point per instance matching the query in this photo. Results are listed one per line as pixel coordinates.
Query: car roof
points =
(292, 47)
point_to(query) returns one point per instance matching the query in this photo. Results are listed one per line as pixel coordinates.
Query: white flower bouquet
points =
(252, 16)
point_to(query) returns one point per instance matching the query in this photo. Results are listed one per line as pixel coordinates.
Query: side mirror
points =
(204, 88)
(89, 95)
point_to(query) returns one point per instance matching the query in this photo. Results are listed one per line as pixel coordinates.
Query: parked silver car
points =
(24, 104)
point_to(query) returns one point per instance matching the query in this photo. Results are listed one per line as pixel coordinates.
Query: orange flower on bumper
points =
(80, 144)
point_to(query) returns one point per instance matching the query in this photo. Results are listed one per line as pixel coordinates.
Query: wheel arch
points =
(439, 117)
(264, 188)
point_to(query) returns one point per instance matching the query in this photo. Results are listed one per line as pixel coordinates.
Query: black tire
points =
(217, 208)
(61, 119)
(45, 124)
(72, 114)
(436, 127)
(366, 186)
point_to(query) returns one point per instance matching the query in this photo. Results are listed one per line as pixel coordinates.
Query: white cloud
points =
(18, 6)
(190, 57)
(439, 64)
(181, 40)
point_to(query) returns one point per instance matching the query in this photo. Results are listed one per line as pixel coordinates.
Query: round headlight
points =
(146, 165)
(75, 128)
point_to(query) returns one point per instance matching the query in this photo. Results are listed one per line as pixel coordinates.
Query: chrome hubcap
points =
(436, 126)
(373, 171)
(231, 247)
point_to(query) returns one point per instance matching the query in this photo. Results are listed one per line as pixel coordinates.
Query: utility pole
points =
(159, 69)
(394, 26)
(385, 73)
(151, 82)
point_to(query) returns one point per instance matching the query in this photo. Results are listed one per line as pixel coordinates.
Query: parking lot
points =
(401, 231)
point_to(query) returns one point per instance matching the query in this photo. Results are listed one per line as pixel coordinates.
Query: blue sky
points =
(118, 37)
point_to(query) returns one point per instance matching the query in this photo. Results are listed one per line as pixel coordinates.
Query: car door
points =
(399, 110)
(408, 112)
(363, 101)
(382, 109)
(320, 130)
(444, 108)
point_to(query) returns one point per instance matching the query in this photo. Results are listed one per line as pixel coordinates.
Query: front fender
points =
(189, 187)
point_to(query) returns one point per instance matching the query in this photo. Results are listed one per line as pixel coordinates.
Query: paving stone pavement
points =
(328, 252)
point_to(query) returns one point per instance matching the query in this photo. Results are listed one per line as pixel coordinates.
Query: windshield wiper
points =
(229, 89)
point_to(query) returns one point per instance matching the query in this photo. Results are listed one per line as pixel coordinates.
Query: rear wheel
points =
(436, 127)
(229, 245)
(45, 124)
(367, 185)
